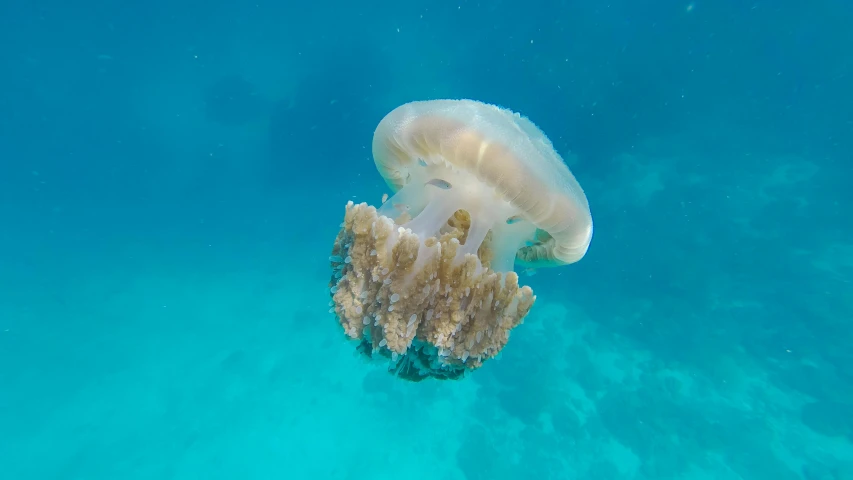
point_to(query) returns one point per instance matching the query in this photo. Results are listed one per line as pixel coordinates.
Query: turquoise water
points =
(173, 176)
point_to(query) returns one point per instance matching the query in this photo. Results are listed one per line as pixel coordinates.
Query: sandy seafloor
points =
(201, 347)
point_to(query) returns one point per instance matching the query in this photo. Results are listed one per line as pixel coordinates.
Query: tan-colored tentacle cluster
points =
(409, 300)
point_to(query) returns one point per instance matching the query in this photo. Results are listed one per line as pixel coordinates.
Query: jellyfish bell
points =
(498, 164)
(427, 279)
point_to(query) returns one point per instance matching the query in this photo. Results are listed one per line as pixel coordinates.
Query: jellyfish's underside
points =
(426, 280)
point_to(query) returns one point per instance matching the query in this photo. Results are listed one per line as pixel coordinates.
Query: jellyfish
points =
(426, 280)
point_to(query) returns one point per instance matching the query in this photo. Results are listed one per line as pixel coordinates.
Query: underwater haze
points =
(174, 175)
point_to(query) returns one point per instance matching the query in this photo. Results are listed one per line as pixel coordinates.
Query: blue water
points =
(173, 175)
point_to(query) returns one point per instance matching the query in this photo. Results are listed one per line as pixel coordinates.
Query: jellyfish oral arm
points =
(435, 192)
